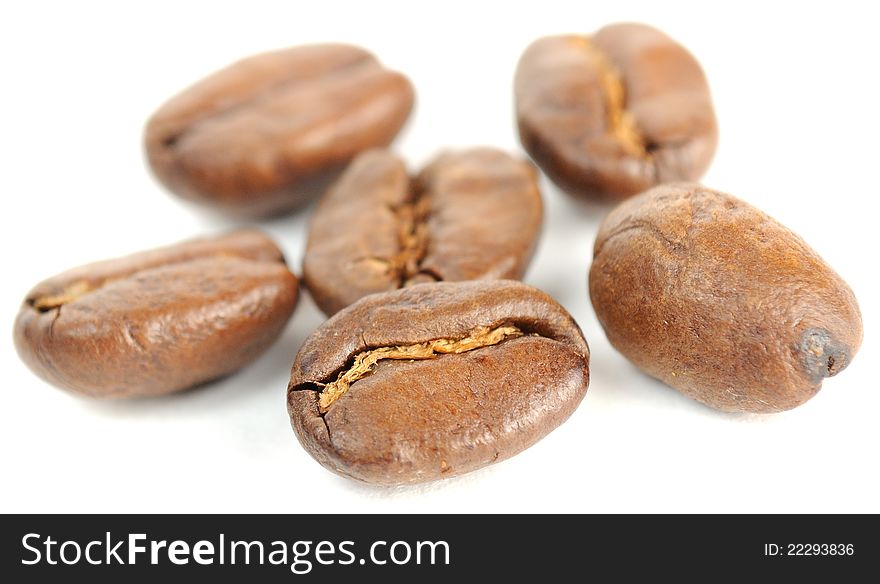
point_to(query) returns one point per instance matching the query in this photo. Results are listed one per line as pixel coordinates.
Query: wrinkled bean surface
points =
(713, 297)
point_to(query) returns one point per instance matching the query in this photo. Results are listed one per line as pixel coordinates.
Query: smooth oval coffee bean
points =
(718, 300)
(436, 380)
(611, 115)
(158, 321)
(470, 214)
(267, 133)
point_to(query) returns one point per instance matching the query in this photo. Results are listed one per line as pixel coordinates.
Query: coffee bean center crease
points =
(365, 362)
(80, 288)
(71, 293)
(621, 124)
(258, 99)
(413, 236)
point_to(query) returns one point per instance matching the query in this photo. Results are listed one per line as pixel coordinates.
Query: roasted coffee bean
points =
(718, 300)
(267, 133)
(158, 321)
(436, 380)
(472, 214)
(611, 115)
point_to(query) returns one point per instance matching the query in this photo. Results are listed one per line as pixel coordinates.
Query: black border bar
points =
(516, 547)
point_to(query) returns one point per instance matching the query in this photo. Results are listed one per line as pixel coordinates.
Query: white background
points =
(796, 97)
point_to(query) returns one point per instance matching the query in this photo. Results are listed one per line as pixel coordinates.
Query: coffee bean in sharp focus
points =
(266, 134)
(610, 115)
(436, 380)
(158, 321)
(718, 300)
(470, 214)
